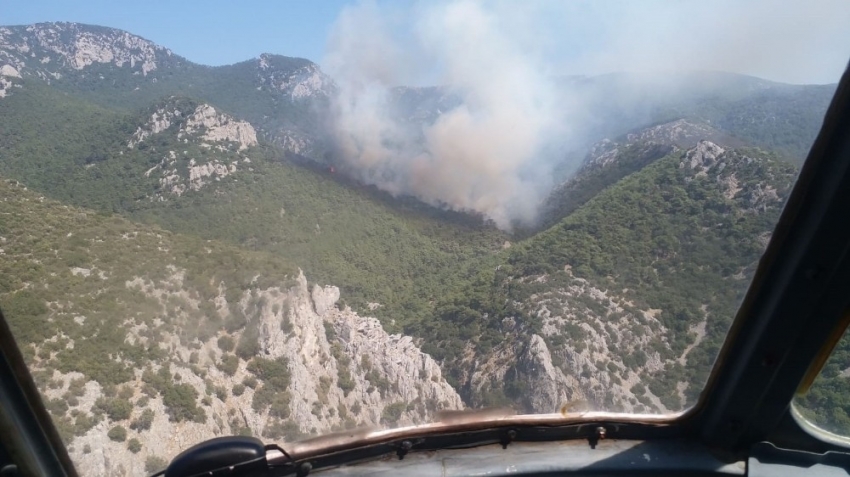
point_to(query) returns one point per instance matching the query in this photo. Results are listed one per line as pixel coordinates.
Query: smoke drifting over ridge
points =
(492, 151)
(473, 157)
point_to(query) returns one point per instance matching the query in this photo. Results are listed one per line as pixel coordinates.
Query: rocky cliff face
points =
(594, 333)
(7, 75)
(345, 371)
(150, 342)
(203, 120)
(601, 339)
(294, 84)
(732, 172)
(610, 160)
(216, 127)
(298, 82)
(203, 145)
(679, 134)
(44, 49)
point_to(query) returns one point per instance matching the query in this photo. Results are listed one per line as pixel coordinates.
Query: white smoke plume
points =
(473, 157)
(491, 151)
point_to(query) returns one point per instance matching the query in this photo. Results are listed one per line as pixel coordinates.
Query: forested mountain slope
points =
(157, 339)
(286, 99)
(781, 117)
(608, 161)
(184, 165)
(283, 97)
(157, 215)
(624, 302)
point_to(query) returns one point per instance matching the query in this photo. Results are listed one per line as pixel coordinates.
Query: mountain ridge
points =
(622, 101)
(277, 315)
(180, 215)
(610, 160)
(128, 72)
(643, 257)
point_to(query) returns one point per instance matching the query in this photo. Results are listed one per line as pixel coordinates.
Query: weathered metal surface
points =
(373, 436)
(669, 457)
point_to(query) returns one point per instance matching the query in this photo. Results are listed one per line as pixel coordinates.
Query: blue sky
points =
(783, 40)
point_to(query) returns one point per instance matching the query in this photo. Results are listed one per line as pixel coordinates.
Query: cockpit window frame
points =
(795, 303)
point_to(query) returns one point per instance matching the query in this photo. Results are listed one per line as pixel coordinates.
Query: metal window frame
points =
(798, 299)
(28, 438)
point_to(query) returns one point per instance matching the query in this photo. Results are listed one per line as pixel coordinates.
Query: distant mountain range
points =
(115, 69)
(179, 257)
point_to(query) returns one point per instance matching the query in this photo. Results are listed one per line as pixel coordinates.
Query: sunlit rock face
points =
(44, 48)
(304, 327)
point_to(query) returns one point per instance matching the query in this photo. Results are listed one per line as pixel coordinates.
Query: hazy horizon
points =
(494, 150)
(782, 41)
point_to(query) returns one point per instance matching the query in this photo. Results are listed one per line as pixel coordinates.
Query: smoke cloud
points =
(475, 156)
(504, 117)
